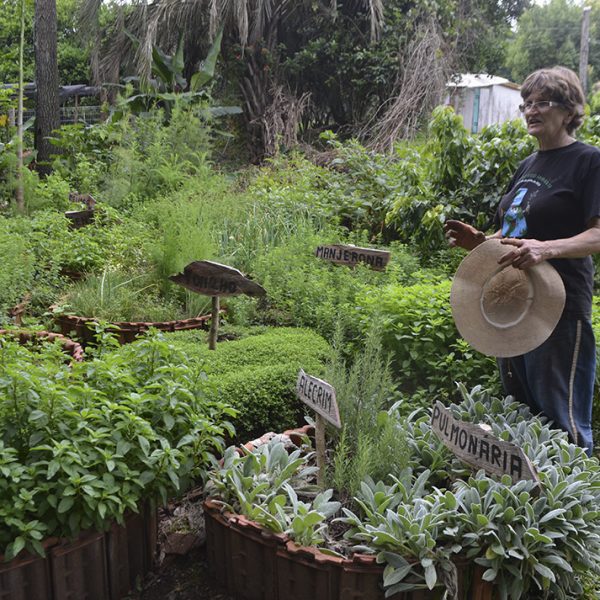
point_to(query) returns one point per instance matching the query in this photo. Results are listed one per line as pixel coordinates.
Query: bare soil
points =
(183, 578)
(182, 571)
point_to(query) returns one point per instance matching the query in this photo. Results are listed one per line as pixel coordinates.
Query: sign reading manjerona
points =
(352, 255)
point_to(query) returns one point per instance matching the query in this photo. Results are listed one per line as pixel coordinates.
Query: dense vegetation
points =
(168, 168)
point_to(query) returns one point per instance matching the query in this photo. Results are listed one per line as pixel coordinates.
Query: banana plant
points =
(168, 84)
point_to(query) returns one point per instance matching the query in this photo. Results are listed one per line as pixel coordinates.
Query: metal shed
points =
(483, 99)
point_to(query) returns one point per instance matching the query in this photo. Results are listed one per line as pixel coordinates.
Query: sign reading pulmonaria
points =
(476, 446)
(214, 279)
(352, 255)
(320, 396)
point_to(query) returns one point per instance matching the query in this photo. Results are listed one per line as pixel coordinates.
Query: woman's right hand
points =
(463, 235)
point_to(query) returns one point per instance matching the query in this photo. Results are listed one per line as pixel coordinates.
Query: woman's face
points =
(547, 124)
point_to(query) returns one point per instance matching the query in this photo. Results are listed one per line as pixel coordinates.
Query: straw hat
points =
(504, 311)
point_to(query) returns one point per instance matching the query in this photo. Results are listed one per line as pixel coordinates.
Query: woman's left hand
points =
(524, 253)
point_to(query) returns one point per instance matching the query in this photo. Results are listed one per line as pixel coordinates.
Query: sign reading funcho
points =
(477, 447)
(320, 396)
(213, 279)
(352, 255)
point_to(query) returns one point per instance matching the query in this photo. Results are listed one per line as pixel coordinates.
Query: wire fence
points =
(74, 114)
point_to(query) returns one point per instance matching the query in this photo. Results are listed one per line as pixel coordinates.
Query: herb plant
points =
(81, 444)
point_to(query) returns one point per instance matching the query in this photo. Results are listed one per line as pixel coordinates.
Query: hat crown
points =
(506, 297)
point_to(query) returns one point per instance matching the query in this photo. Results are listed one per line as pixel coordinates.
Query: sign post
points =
(475, 445)
(216, 280)
(214, 323)
(320, 396)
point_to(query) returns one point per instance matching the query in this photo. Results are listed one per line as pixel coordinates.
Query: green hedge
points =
(257, 374)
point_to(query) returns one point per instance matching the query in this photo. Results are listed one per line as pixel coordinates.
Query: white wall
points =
(497, 104)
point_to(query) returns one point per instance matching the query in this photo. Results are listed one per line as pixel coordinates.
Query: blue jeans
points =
(557, 378)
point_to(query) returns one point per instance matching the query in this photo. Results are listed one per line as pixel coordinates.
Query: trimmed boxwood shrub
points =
(257, 374)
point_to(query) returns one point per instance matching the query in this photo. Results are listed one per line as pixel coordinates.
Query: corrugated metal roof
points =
(475, 80)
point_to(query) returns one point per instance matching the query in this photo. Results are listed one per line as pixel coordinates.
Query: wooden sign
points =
(352, 255)
(213, 279)
(475, 445)
(86, 199)
(320, 396)
(79, 218)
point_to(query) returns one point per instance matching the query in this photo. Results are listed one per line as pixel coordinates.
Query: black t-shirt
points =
(553, 195)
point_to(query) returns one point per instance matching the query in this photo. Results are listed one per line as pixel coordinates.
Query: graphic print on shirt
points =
(514, 223)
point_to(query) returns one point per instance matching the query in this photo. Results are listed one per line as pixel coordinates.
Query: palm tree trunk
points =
(46, 72)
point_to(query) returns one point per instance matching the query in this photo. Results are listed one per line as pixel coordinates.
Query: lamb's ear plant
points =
(404, 525)
(262, 485)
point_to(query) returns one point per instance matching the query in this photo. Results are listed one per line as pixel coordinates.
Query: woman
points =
(551, 211)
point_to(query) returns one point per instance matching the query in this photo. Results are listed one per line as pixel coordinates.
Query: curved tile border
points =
(69, 346)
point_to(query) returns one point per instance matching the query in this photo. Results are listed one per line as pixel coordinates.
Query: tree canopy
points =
(73, 57)
(550, 35)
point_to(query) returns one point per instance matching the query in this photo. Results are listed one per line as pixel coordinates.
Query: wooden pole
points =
(214, 323)
(584, 48)
(19, 192)
(320, 444)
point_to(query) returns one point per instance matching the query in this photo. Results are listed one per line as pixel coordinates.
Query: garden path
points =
(182, 571)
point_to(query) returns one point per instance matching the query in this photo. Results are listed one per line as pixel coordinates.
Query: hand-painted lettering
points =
(484, 450)
(454, 433)
(473, 441)
(516, 465)
(496, 454)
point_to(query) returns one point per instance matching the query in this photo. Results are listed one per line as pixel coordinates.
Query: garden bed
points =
(253, 563)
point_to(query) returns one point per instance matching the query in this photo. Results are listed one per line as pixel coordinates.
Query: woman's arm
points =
(526, 253)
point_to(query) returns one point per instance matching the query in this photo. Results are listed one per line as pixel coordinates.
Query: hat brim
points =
(529, 332)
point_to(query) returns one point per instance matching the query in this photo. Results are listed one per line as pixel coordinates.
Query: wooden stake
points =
(320, 444)
(214, 324)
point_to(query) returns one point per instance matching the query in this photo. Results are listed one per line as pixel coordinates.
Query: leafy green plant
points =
(169, 86)
(405, 527)
(263, 484)
(81, 444)
(420, 334)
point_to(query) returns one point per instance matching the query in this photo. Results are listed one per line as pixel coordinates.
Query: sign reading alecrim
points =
(213, 279)
(477, 447)
(352, 255)
(320, 396)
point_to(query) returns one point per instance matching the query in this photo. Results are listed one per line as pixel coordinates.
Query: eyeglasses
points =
(541, 105)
